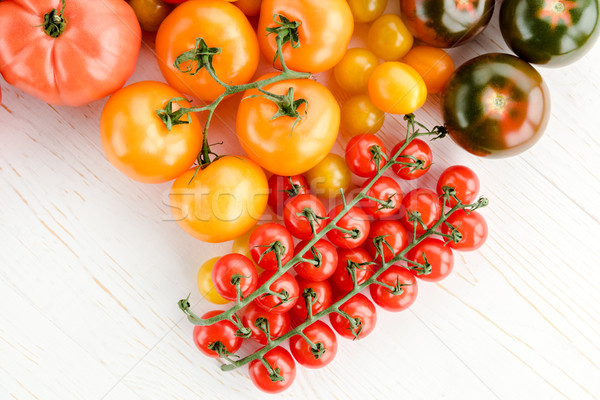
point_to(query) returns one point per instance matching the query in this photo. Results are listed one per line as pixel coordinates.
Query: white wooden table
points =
(91, 268)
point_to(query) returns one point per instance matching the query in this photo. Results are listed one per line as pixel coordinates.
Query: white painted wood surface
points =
(91, 268)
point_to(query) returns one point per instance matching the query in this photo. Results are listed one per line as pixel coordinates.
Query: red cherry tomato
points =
(398, 277)
(300, 211)
(358, 306)
(360, 258)
(281, 188)
(263, 237)
(394, 235)
(360, 155)
(471, 225)
(464, 181)
(272, 303)
(416, 150)
(438, 255)
(321, 335)
(279, 324)
(425, 202)
(279, 359)
(319, 292)
(356, 225)
(385, 189)
(229, 266)
(325, 256)
(222, 331)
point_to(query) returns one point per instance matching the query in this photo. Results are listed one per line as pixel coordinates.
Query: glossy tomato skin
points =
(138, 143)
(323, 252)
(271, 142)
(323, 296)
(551, 33)
(354, 220)
(358, 306)
(341, 280)
(279, 324)
(365, 11)
(433, 64)
(388, 38)
(278, 358)
(324, 32)
(317, 332)
(273, 303)
(262, 237)
(391, 302)
(87, 62)
(228, 266)
(359, 155)
(299, 225)
(443, 23)
(385, 189)
(360, 115)
(397, 88)
(425, 202)
(222, 331)
(150, 13)
(418, 149)
(496, 105)
(281, 188)
(249, 7)
(464, 181)
(354, 69)
(473, 228)
(205, 282)
(439, 256)
(221, 25)
(395, 236)
(329, 176)
(223, 201)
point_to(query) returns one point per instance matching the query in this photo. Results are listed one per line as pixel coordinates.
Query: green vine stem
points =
(412, 133)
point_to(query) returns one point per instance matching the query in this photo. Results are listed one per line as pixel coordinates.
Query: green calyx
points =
(54, 22)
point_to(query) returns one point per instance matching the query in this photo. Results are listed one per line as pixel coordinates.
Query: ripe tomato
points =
(358, 306)
(234, 267)
(359, 115)
(433, 64)
(279, 359)
(438, 255)
(396, 88)
(205, 283)
(74, 57)
(354, 69)
(425, 202)
(150, 13)
(417, 150)
(222, 331)
(272, 143)
(281, 188)
(564, 29)
(286, 284)
(318, 291)
(361, 260)
(137, 142)
(324, 32)
(388, 38)
(464, 181)
(265, 236)
(322, 336)
(175, 1)
(394, 235)
(496, 105)
(395, 276)
(443, 23)
(300, 212)
(356, 225)
(366, 10)
(325, 257)
(221, 25)
(329, 176)
(279, 324)
(363, 154)
(249, 7)
(222, 201)
(471, 225)
(385, 189)
(241, 245)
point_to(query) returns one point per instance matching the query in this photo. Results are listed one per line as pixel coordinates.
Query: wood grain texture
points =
(92, 268)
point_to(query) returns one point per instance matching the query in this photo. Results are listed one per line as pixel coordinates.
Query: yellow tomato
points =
(329, 176)
(353, 72)
(366, 10)
(359, 115)
(241, 245)
(433, 64)
(205, 284)
(396, 88)
(389, 38)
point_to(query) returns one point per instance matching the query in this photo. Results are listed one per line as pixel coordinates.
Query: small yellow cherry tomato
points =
(366, 10)
(396, 88)
(389, 39)
(433, 64)
(353, 71)
(241, 245)
(205, 283)
(329, 176)
(359, 115)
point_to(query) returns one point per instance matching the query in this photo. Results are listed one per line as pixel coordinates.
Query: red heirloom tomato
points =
(341, 279)
(418, 150)
(321, 335)
(222, 331)
(272, 143)
(471, 225)
(279, 324)
(137, 142)
(358, 306)
(356, 225)
(385, 189)
(281, 188)
(325, 257)
(223, 201)
(360, 155)
(425, 202)
(394, 235)
(280, 360)
(319, 292)
(324, 32)
(496, 105)
(464, 181)
(300, 212)
(68, 53)
(230, 266)
(438, 255)
(263, 237)
(273, 303)
(221, 25)
(395, 276)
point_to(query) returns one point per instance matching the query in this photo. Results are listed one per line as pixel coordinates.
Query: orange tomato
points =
(249, 7)
(324, 32)
(396, 88)
(136, 141)
(433, 64)
(221, 25)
